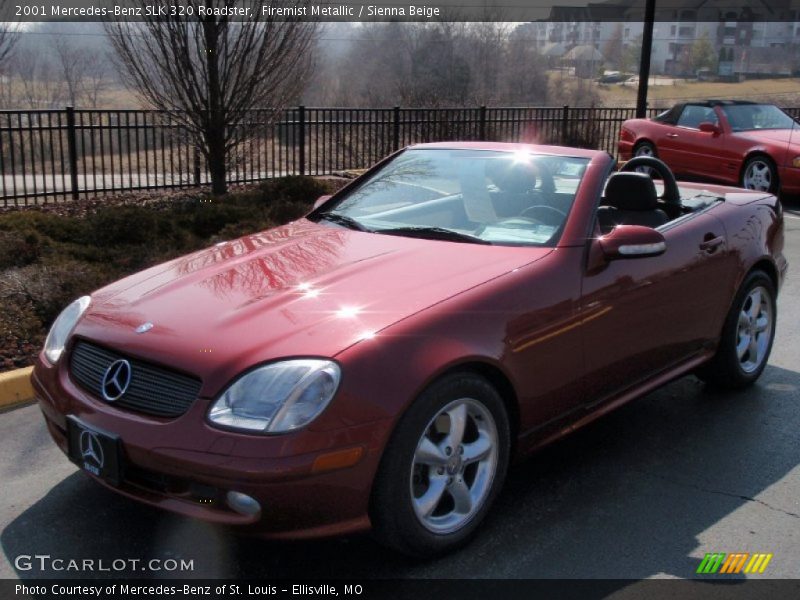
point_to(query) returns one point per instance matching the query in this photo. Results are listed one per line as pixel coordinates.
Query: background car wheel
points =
(746, 336)
(443, 467)
(645, 149)
(759, 173)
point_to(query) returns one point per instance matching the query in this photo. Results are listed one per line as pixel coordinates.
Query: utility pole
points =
(644, 59)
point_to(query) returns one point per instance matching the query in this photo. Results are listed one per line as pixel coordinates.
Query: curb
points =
(15, 387)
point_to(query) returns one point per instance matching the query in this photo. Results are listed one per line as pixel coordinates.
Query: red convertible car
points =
(378, 363)
(756, 146)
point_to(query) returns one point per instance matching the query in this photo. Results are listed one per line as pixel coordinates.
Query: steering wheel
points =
(547, 220)
(672, 194)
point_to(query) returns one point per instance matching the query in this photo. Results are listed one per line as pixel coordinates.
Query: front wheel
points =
(746, 336)
(759, 173)
(442, 468)
(645, 149)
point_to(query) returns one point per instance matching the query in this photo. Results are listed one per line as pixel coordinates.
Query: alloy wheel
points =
(754, 332)
(758, 176)
(454, 466)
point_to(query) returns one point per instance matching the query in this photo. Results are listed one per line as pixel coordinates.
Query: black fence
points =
(51, 155)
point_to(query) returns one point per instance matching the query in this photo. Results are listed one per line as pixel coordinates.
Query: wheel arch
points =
(764, 264)
(767, 266)
(500, 381)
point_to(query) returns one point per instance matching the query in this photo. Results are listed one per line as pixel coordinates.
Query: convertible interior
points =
(504, 199)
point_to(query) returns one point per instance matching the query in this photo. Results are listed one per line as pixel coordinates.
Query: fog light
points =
(243, 504)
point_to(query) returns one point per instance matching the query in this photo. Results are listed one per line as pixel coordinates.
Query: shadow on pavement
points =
(627, 497)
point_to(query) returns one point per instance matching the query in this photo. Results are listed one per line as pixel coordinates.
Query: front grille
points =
(153, 390)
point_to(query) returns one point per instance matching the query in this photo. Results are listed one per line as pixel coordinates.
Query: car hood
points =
(301, 289)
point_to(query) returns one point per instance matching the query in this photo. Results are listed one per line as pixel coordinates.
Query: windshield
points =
(745, 117)
(479, 196)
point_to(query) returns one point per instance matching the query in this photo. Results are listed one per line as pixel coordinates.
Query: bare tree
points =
(35, 79)
(212, 70)
(8, 32)
(83, 70)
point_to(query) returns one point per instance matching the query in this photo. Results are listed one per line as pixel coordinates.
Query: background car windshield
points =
(744, 117)
(507, 198)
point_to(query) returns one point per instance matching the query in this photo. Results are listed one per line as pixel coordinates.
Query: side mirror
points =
(632, 241)
(322, 200)
(708, 127)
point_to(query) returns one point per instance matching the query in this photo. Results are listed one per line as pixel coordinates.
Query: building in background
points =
(747, 38)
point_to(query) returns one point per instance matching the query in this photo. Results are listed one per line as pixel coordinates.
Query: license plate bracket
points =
(95, 451)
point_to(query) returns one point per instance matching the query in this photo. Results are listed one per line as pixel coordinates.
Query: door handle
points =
(711, 242)
(672, 135)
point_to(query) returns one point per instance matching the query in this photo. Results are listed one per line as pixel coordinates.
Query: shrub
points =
(55, 227)
(125, 225)
(21, 335)
(18, 249)
(210, 218)
(47, 287)
(295, 189)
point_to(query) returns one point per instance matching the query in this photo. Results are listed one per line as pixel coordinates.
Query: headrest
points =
(631, 191)
(515, 178)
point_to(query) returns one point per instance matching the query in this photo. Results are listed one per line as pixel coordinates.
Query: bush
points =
(18, 249)
(210, 218)
(127, 225)
(49, 286)
(21, 335)
(55, 227)
(296, 189)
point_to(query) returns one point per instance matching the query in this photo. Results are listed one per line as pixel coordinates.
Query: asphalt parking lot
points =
(644, 492)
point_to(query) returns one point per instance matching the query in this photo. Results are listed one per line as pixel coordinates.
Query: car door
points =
(663, 135)
(693, 151)
(647, 314)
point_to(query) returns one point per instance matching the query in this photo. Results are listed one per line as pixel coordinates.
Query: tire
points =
(645, 149)
(415, 502)
(740, 359)
(759, 173)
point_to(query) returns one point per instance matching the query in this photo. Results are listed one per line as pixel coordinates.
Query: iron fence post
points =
(72, 148)
(196, 167)
(564, 124)
(482, 117)
(301, 134)
(396, 133)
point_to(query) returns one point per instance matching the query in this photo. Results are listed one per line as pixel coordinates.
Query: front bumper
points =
(186, 466)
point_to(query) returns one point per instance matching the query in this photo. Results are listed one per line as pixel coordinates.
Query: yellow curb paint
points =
(15, 387)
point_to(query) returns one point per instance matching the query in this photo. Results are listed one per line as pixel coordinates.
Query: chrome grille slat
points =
(153, 390)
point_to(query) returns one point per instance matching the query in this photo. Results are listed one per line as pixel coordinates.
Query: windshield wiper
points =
(343, 220)
(434, 233)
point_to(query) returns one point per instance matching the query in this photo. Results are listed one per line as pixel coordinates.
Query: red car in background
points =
(379, 362)
(755, 146)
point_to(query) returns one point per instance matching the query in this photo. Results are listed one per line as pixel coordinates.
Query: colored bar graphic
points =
(758, 563)
(733, 563)
(711, 563)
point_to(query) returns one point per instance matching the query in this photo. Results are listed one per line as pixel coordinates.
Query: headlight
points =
(62, 328)
(278, 397)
